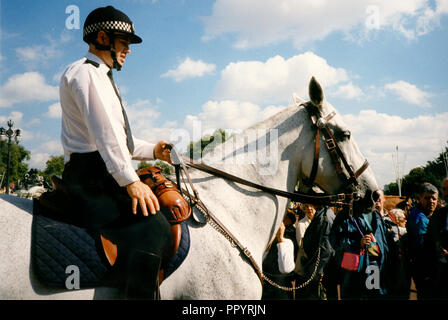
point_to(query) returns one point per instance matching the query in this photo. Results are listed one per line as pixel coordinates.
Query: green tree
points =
(196, 149)
(166, 168)
(18, 167)
(391, 189)
(433, 172)
(54, 166)
(412, 181)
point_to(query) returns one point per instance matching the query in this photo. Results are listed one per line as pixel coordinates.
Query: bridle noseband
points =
(320, 123)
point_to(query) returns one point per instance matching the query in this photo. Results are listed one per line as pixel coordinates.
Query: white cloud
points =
(419, 139)
(225, 114)
(409, 93)
(57, 76)
(349, 91)
(15, 116)
(275, 80)
(54, 147)
(189, 69)
(260, 23)
(33, 135)
(144, 120)
(43, 152)
(38, 160)
(37, 55)
(33, 122)
(54, 111)
(26, 87)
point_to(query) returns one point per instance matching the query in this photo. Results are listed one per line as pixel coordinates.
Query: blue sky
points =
(231, 63)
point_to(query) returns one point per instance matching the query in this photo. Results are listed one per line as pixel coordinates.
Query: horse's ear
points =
(316, 93)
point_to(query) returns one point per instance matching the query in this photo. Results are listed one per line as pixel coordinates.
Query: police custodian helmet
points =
(114, 23)
(110, 20)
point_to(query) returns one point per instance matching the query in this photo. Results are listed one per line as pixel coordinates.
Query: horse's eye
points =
(342, 134)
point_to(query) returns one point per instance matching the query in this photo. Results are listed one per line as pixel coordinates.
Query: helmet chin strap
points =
(110, 48)
(113, 53)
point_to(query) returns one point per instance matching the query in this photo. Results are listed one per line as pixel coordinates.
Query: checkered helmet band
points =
(109, 25)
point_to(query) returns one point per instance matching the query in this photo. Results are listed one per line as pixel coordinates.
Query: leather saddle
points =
(166, 191)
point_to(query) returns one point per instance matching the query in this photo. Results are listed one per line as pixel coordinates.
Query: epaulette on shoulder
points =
(96, 64)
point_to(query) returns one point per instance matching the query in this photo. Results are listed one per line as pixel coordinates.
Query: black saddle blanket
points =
(58, 248)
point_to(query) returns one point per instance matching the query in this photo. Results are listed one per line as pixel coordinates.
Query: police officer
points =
(105, 191)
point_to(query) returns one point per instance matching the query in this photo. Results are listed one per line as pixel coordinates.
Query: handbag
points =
(353, 260)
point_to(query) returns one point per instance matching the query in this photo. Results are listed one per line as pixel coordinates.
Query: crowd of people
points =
(324, 254)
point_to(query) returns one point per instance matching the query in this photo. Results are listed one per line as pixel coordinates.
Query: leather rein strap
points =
(335, 199)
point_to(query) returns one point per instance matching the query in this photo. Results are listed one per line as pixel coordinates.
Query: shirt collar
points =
(104, 67)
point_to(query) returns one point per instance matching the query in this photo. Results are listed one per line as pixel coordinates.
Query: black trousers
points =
(105, 208)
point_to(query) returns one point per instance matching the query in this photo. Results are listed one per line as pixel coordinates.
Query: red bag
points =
(352, 261)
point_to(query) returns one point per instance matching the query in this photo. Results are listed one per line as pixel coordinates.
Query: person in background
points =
(279, 260)
(365, 234)
(401, 220)
(303, 224)
(395, 270)
(420, 252)
(317, 257)
(389, 218)
(437, 235)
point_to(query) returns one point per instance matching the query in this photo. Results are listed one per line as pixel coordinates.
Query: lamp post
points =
(10, 134)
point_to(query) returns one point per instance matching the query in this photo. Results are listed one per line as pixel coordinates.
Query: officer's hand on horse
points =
(162, 152)
(141, 194)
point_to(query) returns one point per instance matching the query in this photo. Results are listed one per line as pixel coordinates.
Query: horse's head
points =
(339, 165)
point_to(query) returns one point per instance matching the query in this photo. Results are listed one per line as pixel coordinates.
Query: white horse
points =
(213, 268)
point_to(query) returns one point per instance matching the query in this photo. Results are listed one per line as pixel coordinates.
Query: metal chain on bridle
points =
(301, 286)
(344, 199)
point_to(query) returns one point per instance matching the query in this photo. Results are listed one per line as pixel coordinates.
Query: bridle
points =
(320, 123)
(342, 199)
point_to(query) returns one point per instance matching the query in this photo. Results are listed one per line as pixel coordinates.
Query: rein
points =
(335, 199)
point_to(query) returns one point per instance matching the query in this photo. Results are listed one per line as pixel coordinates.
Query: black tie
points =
(130, 141)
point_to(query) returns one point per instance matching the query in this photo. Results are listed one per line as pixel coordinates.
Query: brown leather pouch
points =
(167, 193)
